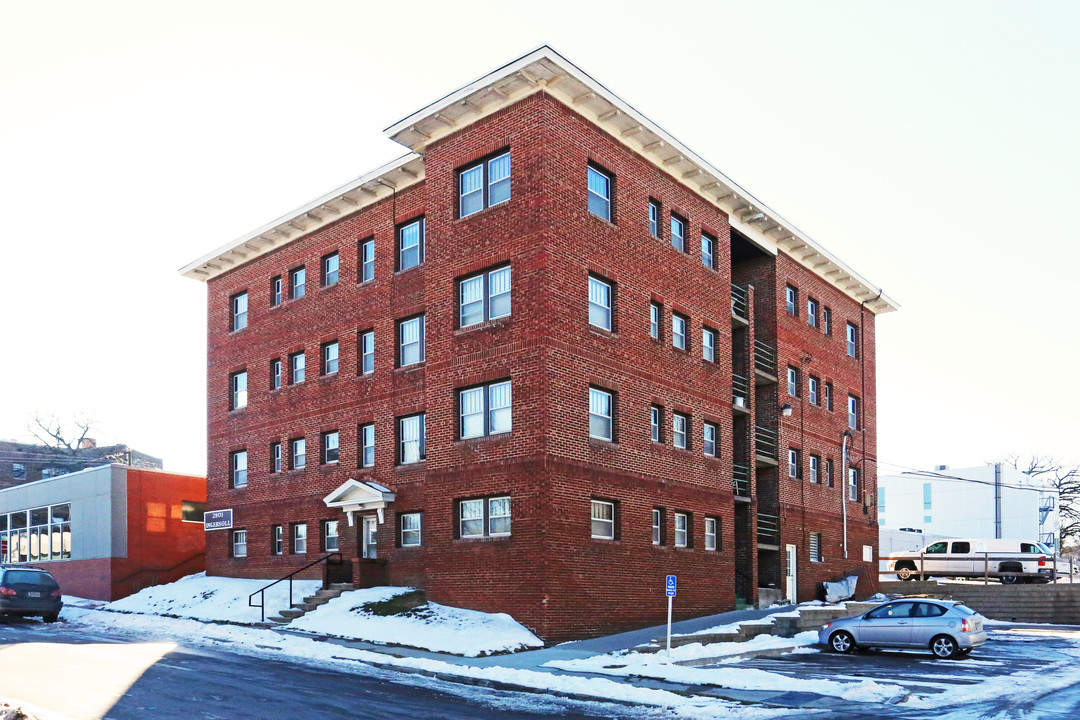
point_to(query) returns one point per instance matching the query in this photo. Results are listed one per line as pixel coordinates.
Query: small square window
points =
(330, 266)
(601, 414)
(600, 184)
(484, 184)
(484, 297)
(600, 303)
(603, 520)
(485, 410)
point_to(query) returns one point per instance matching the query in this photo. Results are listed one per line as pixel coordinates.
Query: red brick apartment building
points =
(539, 363)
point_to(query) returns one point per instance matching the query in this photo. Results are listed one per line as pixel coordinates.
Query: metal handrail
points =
(740, 302)
(740, 480)
(765, 357)
(740, 388)
(768, 529)
(766, 442)
(262, 592)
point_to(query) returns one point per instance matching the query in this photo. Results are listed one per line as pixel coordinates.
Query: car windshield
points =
(28, 577)
(963, 609)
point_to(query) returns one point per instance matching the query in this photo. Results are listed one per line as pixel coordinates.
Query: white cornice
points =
(545, 70)
(361, 192)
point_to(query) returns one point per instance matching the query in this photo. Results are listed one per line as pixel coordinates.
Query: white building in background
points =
(989, 501)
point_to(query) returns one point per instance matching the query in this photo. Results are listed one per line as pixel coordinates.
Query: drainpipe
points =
(843, 486)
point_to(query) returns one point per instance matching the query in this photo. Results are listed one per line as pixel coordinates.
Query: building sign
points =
(217, 520)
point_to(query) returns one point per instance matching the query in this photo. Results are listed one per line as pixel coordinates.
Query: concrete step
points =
(277, 620)
(291, 614)
(318, 599)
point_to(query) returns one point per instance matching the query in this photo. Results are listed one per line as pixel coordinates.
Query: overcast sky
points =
(930, 145)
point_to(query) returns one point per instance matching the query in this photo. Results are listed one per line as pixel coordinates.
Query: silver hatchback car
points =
(948, 629)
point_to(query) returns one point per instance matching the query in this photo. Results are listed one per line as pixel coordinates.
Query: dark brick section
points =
(549, 572)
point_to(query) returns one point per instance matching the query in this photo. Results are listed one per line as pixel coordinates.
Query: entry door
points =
(370, 549)
(792, 585)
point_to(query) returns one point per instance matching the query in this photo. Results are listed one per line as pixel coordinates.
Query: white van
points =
(976, 558)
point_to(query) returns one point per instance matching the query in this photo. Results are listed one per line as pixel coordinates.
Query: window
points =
(330, 266)
(239, 468)
(411, 244)
(682, 530)
(826, 321)
(367, 352)
(51, 472)
(812, 312)
(708, 345)
(815, 547)
(815, 469)
(600, 296)
(679, 427)
(190, 511)
(599, 193)
(484, 184)
(853, 484)
(410, 530)
(657, 526)
(709, 439)
(330, 358)
(412, 441)
(330, 447)
(367, 260)
(603, 520)
(792, 300)
(239, 543)
(708, 251)
(656, 311)
(678, 233)
(828, 396)
(275, 374)
(18, 471)
(239, 311)
(794, 463)
(482, 517)
(852, 341)
(853, 412)
(654, 218)
(299, 539)
(485, 410)
(331, 541)
(656, 414)
(411, 341)
(793, 381)
(711, 525)
(601, 415)
(297, 283)
(814, 383)
(679, 324)
(298, 453)
(828, 472)
(277, 540)
(484, 297)
(275, 291)
(367, 445)
(239, 393)
(297, 365)
(276, 461)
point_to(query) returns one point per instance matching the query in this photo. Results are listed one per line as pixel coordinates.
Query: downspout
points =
(843, 486)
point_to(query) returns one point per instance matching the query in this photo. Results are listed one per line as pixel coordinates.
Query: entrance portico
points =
(369, 501)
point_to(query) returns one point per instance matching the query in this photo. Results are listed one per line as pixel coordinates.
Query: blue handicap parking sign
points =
(671, 586)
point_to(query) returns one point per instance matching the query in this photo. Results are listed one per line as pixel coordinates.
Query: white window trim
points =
(239, 539)
(592, 519)
(608, 314)
(418, 530)
(676, 433)
(710, 523)
(609, 417)
(685, 530)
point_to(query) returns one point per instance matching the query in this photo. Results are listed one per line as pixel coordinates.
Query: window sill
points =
(496, 324)
(365, 283)
(409, 368)
(398, 273)
(481, 211)
(603, 333)
(410, 467)
(599, 219)
(238, 332)
(329, 287)
(323, 379)
(329, 465)
(237, 412)
(601, 444)
(483, 538)
(613, 541)
(483, 439)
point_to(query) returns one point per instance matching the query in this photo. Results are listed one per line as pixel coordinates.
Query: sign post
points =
(670, 587)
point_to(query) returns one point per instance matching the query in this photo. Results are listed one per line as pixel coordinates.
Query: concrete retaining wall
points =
(1059, 604)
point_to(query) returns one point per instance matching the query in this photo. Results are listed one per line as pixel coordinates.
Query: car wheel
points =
(905, 573)
(841, 641)
(1009, 579)
(943, 647)
(50, 618)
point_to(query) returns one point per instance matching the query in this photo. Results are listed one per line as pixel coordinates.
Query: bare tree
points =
(53, 433)
(1065, 479)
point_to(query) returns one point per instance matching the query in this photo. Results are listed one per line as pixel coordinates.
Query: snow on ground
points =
(271, 644)
(430, 626)
(215, 599)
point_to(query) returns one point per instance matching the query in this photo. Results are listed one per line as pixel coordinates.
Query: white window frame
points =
(238, 384)
(602, 201)
(710, 533)
(418, 343)
(852, 341)
(238, 464)
(299, 539)
(794, 460)
(657, 525)
(297, 283)
(239, 543)
(488, 298)
(487, 515)
(595, 520)
(812, 385)
(791, 300)
(656, 314)
(597, 398)
(682, 534)
(275, 374)
(853, 484)
(276, 291)
(709, 443)
(708, 256)
(485, 186)
(792, 381)
(601, 300)
(367, 445)
(277, 460)
(367, 352)
(412, 536)
(329, 525)
(654, 422)
(297, 450)
(853, 412)
(811, 312)
(654, 218)
(815, 469)
(331, 447)
(678, 233)
(331, 269)
(679, 326)
(708, 345)
(420, 441)
(277, 540)
(297, 368)
(418, 245)
(331, 354)
(680, 429)
(826, 320)
(827, 396)
(485, 409)
(239, 304)
(367, 260)
(815, 547)
(471, 503)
